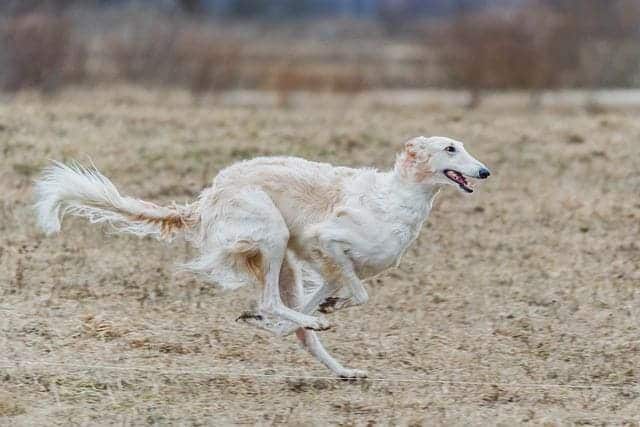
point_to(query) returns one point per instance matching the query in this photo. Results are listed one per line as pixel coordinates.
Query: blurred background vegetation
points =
(345, 46)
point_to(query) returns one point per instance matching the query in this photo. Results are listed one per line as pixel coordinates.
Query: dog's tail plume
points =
(85, 192)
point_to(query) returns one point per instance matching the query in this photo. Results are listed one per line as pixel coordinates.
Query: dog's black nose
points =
(484, 173)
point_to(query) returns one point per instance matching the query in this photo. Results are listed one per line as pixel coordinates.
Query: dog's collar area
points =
(459, 179)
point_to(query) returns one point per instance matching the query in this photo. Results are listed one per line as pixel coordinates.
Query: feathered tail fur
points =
(85, 192)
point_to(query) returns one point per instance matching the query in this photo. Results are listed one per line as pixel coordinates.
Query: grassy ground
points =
(533, 279)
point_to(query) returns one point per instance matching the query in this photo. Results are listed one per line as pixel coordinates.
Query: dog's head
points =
(439, 160)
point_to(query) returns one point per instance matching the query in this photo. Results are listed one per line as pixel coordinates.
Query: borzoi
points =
(283, 224)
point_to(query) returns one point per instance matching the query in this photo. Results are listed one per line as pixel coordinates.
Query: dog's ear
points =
(414, 160)
(410, 148)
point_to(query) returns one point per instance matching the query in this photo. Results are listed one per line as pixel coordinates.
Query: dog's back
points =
(304, 191)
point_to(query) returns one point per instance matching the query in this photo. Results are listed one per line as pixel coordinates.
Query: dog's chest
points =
(381, 241)
(383, 252)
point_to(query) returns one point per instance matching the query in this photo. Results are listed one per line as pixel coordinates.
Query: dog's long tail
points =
(85, 192)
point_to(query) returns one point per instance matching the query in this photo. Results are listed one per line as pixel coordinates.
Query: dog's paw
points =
(276, 325)
(352, 374)
(317, 324)
(329, 305)
(250, 315)
(333, 304)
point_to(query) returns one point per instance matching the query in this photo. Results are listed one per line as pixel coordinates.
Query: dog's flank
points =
(285, 225)
(85, 192)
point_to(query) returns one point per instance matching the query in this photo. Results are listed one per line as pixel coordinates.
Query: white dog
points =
(284, 224)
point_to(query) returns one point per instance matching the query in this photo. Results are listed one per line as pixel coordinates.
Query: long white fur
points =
(283, 223)
(85, 192)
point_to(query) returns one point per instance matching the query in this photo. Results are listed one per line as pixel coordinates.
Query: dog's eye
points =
(450, 149)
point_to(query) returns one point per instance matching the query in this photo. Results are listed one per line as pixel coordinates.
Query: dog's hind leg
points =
(272, 301)
(262, 234)
(289, 295)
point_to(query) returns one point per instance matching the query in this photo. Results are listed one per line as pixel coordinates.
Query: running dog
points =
(284, 225)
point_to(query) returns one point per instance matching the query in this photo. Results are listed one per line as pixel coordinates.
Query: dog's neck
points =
(416, 198)
(413, 180)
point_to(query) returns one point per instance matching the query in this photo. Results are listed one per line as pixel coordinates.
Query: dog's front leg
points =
(324, 293)
(343, 272)
(325, 300)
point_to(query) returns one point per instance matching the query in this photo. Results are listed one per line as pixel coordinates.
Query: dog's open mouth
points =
(459, 179)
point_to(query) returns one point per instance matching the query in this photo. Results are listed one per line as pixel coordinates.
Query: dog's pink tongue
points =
(453, 175)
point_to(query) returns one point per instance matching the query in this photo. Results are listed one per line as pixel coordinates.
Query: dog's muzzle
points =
(484, 173)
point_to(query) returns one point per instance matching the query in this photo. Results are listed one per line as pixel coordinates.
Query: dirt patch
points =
(9, 408)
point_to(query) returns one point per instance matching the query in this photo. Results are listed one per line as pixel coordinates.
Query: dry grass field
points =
(518, 304)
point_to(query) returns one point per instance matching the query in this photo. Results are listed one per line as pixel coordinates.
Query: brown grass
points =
(8, 407)
(544, 45)
(531, 280)
(166, 53)
(291, 78)
(40, 52)
(101, 329)
(539, 46)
